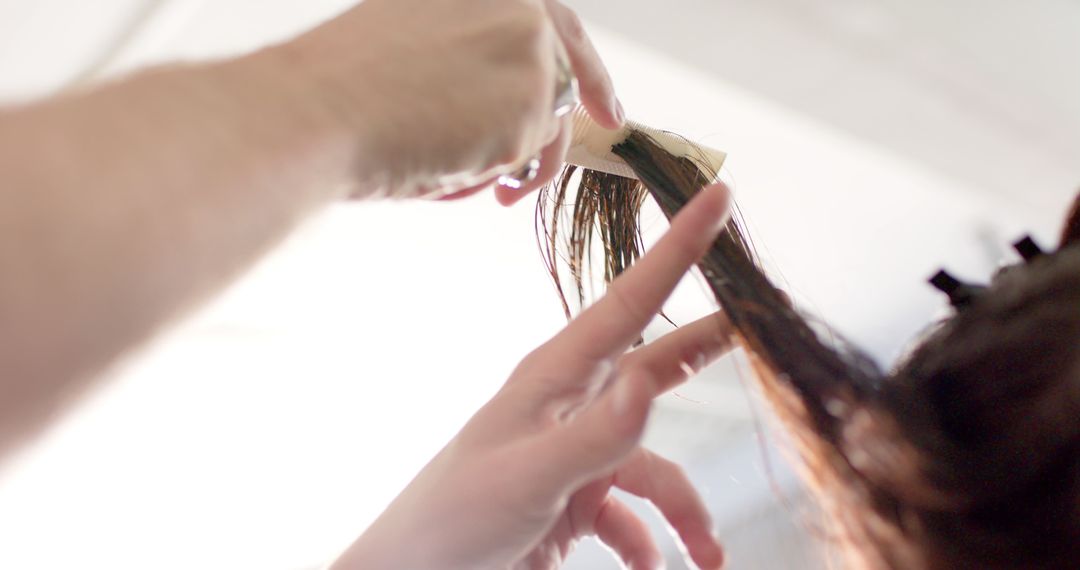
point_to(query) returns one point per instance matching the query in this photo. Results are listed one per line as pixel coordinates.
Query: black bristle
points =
(944, 282)
(960, 294)
(1027, 248)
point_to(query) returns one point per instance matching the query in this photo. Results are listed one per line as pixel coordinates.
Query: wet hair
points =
(965, 455)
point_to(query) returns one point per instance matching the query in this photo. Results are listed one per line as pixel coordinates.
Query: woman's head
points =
(968, 454)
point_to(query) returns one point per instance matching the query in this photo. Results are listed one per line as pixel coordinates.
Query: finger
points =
(621, 530)
(666, 485)
(552, 158)
(466, 192)
(615, 321)
(669, 361)
(597, 90)
(676, 356)
(564, 458)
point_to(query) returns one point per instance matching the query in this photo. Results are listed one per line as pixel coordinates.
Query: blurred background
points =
(870, 142)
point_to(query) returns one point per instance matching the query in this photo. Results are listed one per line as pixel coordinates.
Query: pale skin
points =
(568, 422)
(127, 205)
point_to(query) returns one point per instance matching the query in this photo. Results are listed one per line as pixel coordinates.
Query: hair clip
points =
(960, 294)
(1027, 248)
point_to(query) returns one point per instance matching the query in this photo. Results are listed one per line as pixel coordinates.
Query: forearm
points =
(122, 207)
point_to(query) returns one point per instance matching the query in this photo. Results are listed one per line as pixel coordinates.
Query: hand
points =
(530, 473)
(445, 95)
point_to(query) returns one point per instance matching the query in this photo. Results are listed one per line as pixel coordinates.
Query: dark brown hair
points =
(1071, 233)
(966, 455)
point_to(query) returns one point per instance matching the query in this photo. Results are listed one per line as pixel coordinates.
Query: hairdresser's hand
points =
(445, 95)
(531, 472)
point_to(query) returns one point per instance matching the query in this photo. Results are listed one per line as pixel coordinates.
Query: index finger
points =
(609, 327)
(676, 356)
(597, 91)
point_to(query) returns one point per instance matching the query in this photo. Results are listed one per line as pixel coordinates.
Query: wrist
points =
(371, 552)
(270, 105)
(332, 102)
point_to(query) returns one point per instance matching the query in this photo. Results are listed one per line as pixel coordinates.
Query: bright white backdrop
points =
(271, 428)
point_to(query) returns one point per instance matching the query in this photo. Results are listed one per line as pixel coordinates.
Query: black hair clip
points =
(960, 294)
(1027, 248)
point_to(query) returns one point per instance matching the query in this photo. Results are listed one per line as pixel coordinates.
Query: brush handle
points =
(590, 146)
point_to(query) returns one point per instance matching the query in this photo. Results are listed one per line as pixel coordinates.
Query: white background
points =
(870, 143)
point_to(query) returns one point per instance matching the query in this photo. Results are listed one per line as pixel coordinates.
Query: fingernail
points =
(620, 113)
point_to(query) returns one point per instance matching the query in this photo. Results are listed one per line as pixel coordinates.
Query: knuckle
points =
(601, 442)
(626, 432)
(677, 471)
(515, 148)
(531, 18)
(524, 28)
(525, 96)
(686, 252)
(533, 365)
(536, 356)
(668, 469)
(506, 140)
(631, 366)
(548, 419)
(693, 357)
(534, 88)
(617, 291)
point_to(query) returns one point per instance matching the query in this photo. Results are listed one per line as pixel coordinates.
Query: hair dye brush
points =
(619, 169)
(591, 146)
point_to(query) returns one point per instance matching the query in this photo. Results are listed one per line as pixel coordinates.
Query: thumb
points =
(596, 441)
